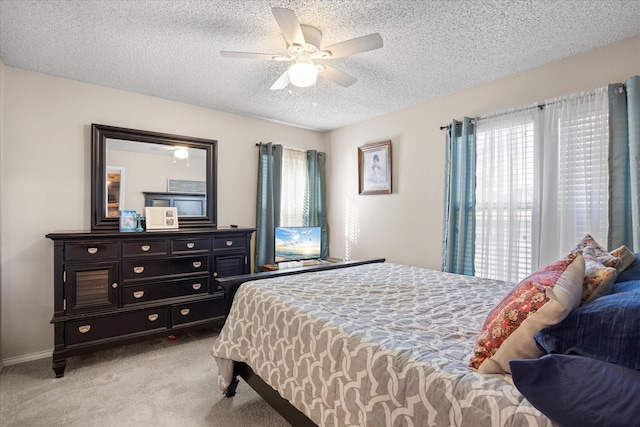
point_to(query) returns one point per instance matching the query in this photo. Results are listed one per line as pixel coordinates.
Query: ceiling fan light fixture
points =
(303, 74)
(303, 47)
(181, 153)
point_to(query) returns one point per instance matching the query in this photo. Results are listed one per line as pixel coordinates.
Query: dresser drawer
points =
(134, 294)
(190, 245)
(85, 330)
(195, 311)
(90, 251)
(229, 242)
(144, 247)
(148, 268)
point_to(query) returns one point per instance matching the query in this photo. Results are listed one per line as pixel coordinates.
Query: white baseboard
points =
(26, 358)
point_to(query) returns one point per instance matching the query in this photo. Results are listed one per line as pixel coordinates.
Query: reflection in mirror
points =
(161, 170)
(115, 190)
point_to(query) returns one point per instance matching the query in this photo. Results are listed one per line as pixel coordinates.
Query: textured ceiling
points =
(171, 49)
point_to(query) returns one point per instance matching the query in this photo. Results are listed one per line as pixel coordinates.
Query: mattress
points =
(373, 345)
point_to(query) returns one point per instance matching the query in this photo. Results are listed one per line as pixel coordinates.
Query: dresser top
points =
(80, 234)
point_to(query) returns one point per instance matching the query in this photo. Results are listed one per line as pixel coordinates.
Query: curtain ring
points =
(620, 90)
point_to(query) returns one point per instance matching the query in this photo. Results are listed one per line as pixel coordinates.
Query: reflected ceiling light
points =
(303, 73)
(181, 153)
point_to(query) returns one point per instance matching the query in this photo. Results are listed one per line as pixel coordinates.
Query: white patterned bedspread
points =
(373, 345)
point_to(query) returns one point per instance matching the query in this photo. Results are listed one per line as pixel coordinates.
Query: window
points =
(294, 188)
(584, 172)
(504, 197)
(541, 184)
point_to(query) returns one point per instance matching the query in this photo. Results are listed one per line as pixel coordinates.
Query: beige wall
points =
(406, 226)
(46, 179)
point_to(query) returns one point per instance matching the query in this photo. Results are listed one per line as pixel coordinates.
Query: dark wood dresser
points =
(113, 288)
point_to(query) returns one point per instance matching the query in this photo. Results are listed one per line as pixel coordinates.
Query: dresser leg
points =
(58, 367)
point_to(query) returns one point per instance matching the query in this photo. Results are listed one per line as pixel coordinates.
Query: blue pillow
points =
(628, 286)
(579, 391)
(607, 328)
(632, 272)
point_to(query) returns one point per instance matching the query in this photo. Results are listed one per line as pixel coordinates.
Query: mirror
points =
(132, 169)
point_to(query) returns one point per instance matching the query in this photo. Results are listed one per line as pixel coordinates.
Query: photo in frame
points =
(161, 218)
(374, 168)
(128, 221)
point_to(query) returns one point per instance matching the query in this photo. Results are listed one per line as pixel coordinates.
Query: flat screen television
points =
(297, 243)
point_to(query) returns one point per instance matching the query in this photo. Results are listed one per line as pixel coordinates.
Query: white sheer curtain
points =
(542, 183)
(504, 194)
(294, 186)
(574, 173)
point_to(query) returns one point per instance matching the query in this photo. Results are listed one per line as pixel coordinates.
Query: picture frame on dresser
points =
(157, 218)
(128, 221)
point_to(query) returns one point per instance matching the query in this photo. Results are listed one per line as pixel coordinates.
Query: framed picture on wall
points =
(374, 168)
(161, 218)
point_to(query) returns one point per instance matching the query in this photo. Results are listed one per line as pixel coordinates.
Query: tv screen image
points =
(297, 243)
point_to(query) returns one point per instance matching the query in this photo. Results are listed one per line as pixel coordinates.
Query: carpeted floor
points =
(153, 383)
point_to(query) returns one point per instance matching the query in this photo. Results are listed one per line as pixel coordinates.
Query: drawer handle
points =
(138, 294)
(153, 317)
(196, 286)
(229, 242)
(92, 250)
(145, 248)
(185, 311)
(138, 270)
(197, 264)
(114, 285)
(190, 245)
(84, 329)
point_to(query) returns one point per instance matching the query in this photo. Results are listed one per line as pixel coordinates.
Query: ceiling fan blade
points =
(282, 82)
(289, 25)
(337, 76)
(248, 55)
(357, 45)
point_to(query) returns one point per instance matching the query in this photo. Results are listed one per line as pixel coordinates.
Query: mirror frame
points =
(99, 136)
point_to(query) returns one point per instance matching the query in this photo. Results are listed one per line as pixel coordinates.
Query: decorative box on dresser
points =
(113, 288)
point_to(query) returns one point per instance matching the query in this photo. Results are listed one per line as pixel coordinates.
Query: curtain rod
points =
(529, 107)
(258, 144)
(504, 113)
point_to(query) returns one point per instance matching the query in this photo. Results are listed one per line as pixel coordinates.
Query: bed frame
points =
(269, 394)
(230, 286)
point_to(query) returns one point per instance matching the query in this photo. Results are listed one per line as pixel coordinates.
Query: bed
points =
(372, 345)
(392, 345)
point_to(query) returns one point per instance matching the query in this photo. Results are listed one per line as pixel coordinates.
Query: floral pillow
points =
(598, 279)
(625, 255)
(601, 254)
(543, 299)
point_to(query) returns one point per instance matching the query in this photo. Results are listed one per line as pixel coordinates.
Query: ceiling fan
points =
(304, 47)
